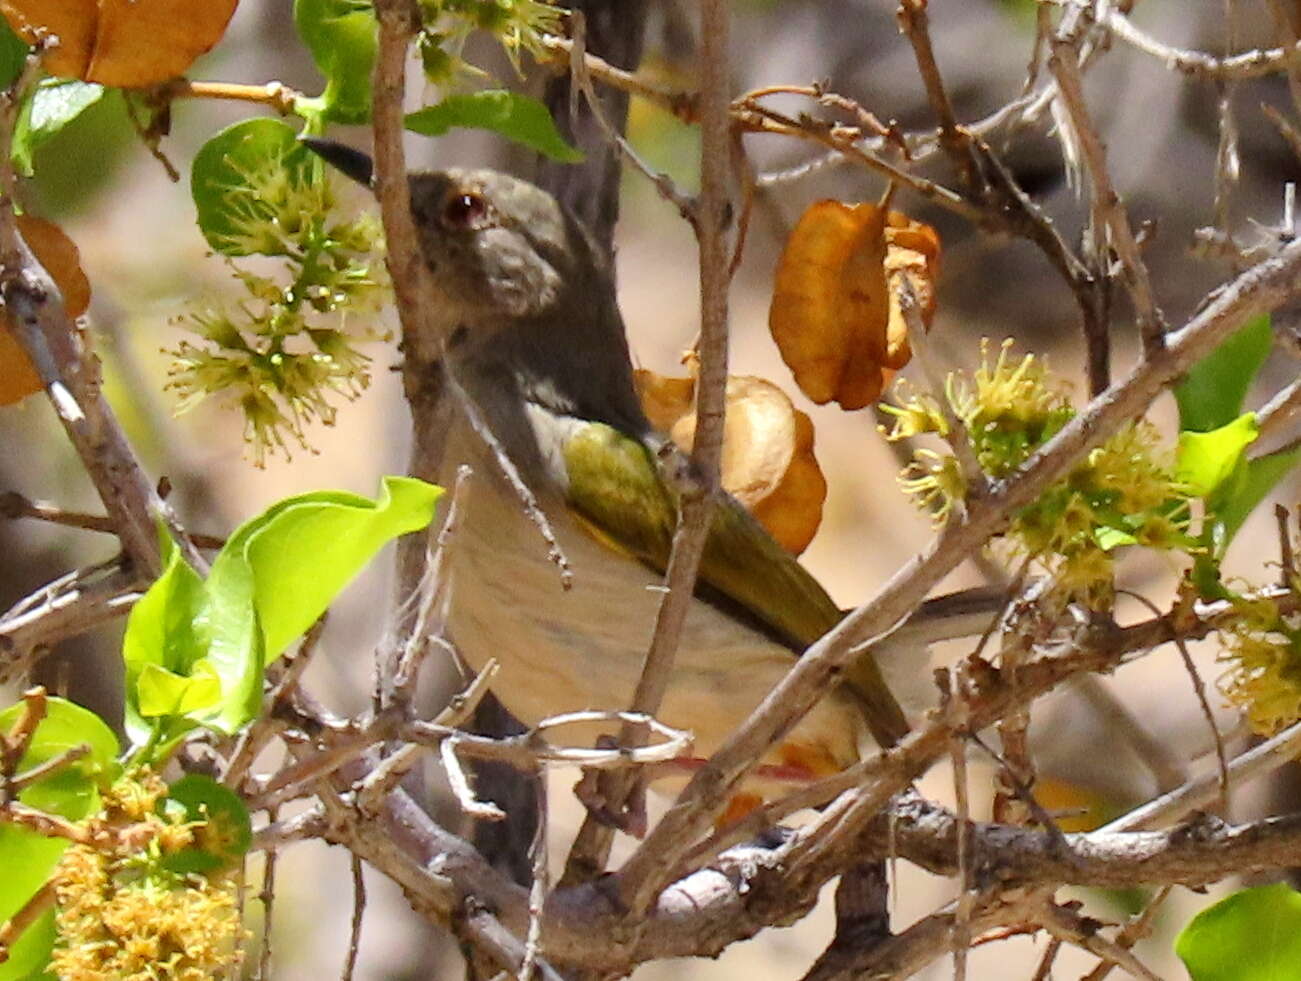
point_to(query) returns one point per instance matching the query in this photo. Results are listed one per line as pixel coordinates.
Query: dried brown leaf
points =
(768, 461)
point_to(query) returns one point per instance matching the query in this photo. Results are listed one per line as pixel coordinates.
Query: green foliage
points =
(227, 829)
(13, 52)
(1213, 440)
(195, 649)
(71, 792)
(1252, 935)
(54, 104)
(1208, 458)
(515, 116)
(342, 36)
(1212, 394)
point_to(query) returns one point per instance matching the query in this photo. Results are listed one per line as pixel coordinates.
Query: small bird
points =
(537, 352)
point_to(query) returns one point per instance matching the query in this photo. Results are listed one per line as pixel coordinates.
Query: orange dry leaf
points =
(59, 256)
(768, 461)
(834, 313)
(127, 43)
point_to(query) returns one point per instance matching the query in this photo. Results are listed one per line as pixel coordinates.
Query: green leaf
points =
(164, 632)
(1212, 394)
(1252, 935)
(343, 38)
(279, 572)
(514, 116)
(13, 52)
(72, 792)
(227, 831)
(30, 953)
(27, 859)
(54, 103)
(164, 692)
(1255, 479)
(1207, 459)
(222, 177)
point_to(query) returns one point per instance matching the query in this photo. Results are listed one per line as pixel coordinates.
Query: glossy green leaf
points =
(164, 632)
(342, 36)
(227, 831)
(279, 572)
(195, 649)
(1207, 459)
(1212, 394)
(235, 159)
(1253, 481)
(1252, 935)
(54, 103)
(516, 117)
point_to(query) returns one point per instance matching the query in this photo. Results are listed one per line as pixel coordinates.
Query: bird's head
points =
(496, 246)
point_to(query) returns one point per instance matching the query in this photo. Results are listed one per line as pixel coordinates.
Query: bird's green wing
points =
(616, 488)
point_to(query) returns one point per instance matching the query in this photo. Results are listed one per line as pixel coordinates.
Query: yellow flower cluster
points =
(519, 25)
(1263, 652)
(287, 349)
(122, 917)
(1122, 493)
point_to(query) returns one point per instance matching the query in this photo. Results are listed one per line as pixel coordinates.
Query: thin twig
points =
(696, 490)
(1071, 927)
(915, 23)
(506, 467)
(1199, 688)
(267, 897)
(358, 916)
(1275, 752)
(1255, 63)
(14, 505)
(1132, 932)
(1065, 68)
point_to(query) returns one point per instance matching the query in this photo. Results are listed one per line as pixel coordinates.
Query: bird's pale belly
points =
(566, 650)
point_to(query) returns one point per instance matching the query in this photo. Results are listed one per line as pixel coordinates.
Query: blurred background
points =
(147, 262)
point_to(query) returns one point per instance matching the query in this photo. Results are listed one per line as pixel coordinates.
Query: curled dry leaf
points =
(835, 315)
(768, 461)
(127, 43)
(59, 256)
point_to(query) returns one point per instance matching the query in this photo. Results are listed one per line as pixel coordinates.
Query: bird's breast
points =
(561, 650)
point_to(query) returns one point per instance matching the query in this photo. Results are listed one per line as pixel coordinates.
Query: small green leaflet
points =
(1252, 935)
(516, 117)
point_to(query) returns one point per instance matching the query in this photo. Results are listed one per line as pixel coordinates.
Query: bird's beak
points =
(349, 161)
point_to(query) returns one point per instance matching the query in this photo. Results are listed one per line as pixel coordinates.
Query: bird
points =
(547, 411)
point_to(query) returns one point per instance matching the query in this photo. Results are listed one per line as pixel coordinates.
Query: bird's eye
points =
(464, 210)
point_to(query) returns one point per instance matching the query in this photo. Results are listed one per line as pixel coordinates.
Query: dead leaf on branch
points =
(126, 43)
(768, 462)
(835, 315)
(59, 255)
